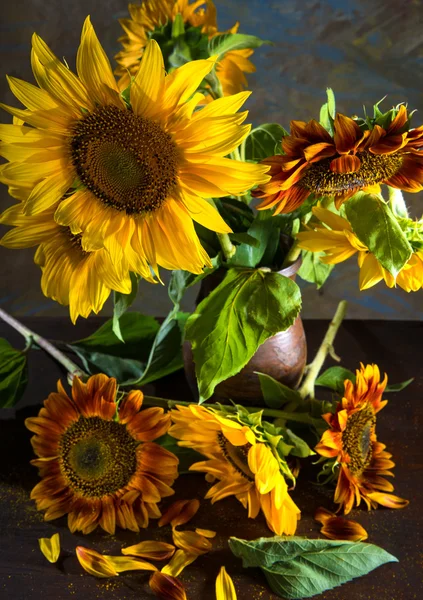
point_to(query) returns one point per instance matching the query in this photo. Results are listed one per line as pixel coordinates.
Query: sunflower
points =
(336, 239)
(148, 18)
(97, 458)
(129, 178)
(242, 465)
(351, 444)
(72, 276)
(354, 158)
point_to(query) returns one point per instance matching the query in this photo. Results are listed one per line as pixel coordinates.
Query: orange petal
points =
(322, 515)
(348, 163)
(388, 500)
(150, 549)
(206, 532)
(130, 405)
(167, 587)
(347, 133)
(318, 151)
(180, 512)
(338, 528)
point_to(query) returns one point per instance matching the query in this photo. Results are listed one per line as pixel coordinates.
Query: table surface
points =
(26, 575)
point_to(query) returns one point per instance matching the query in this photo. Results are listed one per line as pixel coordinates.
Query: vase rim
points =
(291, 269)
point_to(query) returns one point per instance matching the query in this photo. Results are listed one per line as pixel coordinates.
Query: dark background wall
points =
(364, 50)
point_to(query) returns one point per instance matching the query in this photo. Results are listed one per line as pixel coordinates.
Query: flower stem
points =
(267, 412)
(293, 253)
(227, 246)
(31, 337)
(307, 387)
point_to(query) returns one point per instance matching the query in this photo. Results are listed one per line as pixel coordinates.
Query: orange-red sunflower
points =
(351, 441)
(97, 457)
(355, 158)
(240, 464)
(150, 18)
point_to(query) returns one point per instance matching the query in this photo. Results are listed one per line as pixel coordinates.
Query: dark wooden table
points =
(26, 575)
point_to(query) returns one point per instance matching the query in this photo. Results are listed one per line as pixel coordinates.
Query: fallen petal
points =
(180, 512)
(180, 560)
(208, 533)
(50, 547)
(338, 528)
(150, 549)
(225, 589)
(94, 563)
(322, 515)
(191, 542)
(166, 587)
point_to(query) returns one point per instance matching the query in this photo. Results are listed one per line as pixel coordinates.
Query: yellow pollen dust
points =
(130, 163)
(356, 439)
(374, 169)
(97, 457)
(237, 456)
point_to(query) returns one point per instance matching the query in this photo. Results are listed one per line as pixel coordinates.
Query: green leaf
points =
(13, 374)
(276, 394)
(397, 387)
(300, 447)
(376, 226)
(264, 141)
(263, 229)
(103, 352)
(334, 377)
(312, 269)
(297, 567)
(227, 42)
(178, 27)
(121, 303)
(229, 325)
(245, 238)
(166, 352)
(187, 456)
(328, 111)
(181, 280)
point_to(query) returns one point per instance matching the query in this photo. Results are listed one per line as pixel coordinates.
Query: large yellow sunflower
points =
(153, 14)
(72, 276)
(242, 465)
(354, 158)
(351, 441)
(135, 175)
(334, 236)
(97, 457)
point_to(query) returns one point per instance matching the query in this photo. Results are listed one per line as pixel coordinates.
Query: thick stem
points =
(31, 337)
(307, 387)
(267, 412)
(227, 246)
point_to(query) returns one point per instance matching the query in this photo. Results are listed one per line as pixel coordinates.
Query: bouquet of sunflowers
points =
(117, 175)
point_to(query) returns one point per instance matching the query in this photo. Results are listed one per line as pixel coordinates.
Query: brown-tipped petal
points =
(167, 587)
(130, 405)
(50, 547)
(94, 563)
(208, 533)
(399, 122)
(347, 133)
(388, 500)
(150, 549)
(348, 163)
(123, 563)
(322, 515)
(338, 528)
(319, 151)
(179, 512)
(191, 542)
(180, 560)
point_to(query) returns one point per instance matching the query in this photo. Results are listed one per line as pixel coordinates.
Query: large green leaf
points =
(121, 304)
(276, 394)
(13, 374)
(264, 229)
(227, 42)
(229, 325)
(313, 270)
(264, 141)
(376, 226)
(297, 567)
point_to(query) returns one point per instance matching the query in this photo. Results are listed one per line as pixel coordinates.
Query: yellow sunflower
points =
(72, 276)
(151, 15)
(351, 441)
(130, 178)
(334, 236)
(354, 158)
(243, 466)
(97, 457)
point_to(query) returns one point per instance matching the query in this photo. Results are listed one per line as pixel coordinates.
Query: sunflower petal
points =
(225, 589)
(50, 547)
(167, 587)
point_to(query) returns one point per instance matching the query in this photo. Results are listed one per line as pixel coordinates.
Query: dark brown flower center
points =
(375, 168)
(97, 457)
(237, 456)
(356, 439)
(130, 163)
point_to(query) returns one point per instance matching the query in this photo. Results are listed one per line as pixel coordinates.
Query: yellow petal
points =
(151, 549)
(48, 192)
(94, 68)
(167, 587)
(191, 542)
(30, 95)
(94, 563)
(181, 84)
(180, 560)
(208, 533)
(201, 211)
(370, 272)
(225, 589)
(50, 547)
(388, 500)
(148, 85)
(331, 219)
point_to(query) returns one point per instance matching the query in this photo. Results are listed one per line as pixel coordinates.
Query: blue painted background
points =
(364, 50)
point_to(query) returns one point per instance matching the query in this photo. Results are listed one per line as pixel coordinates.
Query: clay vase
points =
(282, 356)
